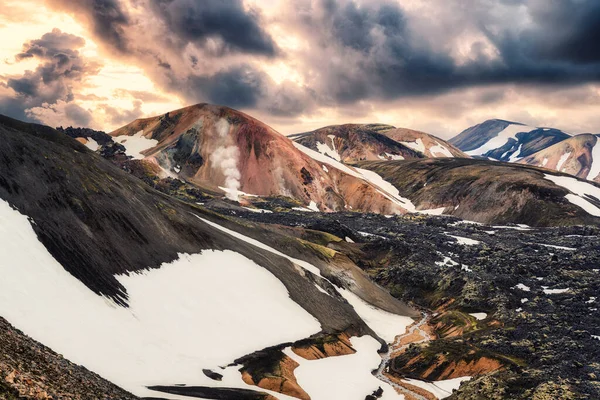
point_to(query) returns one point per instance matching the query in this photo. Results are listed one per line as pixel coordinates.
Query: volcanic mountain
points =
(354, 142)
(219, 148)
(371, 142)
(426, 144)
(578, 155)
(147, 291)
(506, 141)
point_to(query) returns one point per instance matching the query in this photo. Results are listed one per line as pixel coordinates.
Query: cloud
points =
(224, 22)
(107, 18)
(61, 114)
(146, 97)
(118, 117)
(61, 69)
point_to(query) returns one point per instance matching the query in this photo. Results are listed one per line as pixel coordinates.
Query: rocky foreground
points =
(29, 370)
(516, 307)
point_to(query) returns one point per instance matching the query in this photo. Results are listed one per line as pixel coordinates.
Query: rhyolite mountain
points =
(578, 155)
(218, 148)
(429, 145)
(505, 140)
(371, 142)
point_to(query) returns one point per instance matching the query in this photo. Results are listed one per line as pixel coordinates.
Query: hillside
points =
(372, 142)
(221, 149)
(355, 142)
(493, 192)
(578, 156)
(124, 280)
(429, 145)
(506, 141)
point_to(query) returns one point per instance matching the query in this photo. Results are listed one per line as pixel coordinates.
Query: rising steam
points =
(225, 158)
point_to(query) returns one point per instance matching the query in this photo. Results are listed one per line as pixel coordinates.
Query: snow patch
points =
(349, 240)
(523, 287)
(510, 132)
(329, 151)
(595, 167)
(258, 210)
(562, 160)
(479, 316)
(554, 291)
(434, 211)
(516, 155)
(164, 336)
(343, 377)
(385, 324)
(313, 206)
(136, 144)
(417, 145)
(544, 162)
(440, 149)
(557, 247)
(394, 157)
(580, 191)
(464, 241)
(92, 144)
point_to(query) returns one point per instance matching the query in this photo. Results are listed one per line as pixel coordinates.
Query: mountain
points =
(506, 141)
(578, 155)
(146, 290)
(225, 150)
(429, 145)
(371, 142)
(493, 192)
(354, 142)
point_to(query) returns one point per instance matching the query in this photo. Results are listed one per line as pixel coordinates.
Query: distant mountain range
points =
(542, 147)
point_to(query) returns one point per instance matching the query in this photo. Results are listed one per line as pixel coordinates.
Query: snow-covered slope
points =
(148, 291)
(371, 142)
(429, 145)
(578, 156)
(506, 141)
(354, 142)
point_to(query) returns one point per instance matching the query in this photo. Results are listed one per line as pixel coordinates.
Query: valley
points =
(339, 264)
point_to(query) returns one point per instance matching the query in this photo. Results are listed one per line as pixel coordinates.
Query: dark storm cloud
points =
(107, 19)
(240, 86)
(196, 22)
(61, 67)
(565, 30)
(391, 59)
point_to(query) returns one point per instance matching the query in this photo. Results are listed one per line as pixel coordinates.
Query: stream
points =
(392, 348)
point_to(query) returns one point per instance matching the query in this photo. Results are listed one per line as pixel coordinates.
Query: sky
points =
(438, 66)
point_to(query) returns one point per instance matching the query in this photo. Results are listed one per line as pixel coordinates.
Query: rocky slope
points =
(355, 142)
(488, 192)
(29, 370)
(429, 145)
(506, 141)
(371, 142)
(578, 156)
(221, 149)
(513, 307)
